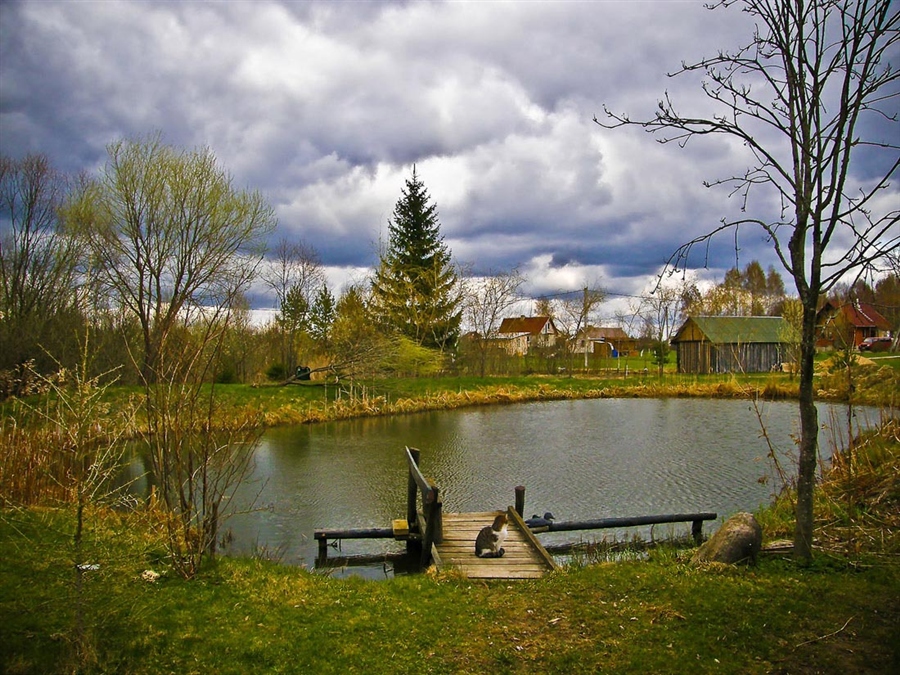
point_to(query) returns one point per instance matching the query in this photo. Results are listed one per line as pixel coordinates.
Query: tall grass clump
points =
(857, 501)
(860, 494)
(29, 471)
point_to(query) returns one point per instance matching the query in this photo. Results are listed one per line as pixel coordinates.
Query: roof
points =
(733, 329)
(863, 315)
(603, 333)
(525, 324)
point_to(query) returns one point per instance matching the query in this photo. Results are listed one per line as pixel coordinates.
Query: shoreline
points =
(381, 405)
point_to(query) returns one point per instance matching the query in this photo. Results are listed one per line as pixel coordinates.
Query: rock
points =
(738, 540)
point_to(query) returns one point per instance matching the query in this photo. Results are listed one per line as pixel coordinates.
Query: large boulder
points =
(738, 540)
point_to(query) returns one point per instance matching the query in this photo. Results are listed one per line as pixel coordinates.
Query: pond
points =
(580, 460)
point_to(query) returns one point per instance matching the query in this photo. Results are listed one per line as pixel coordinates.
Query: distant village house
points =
(842, 325)
(522, 334)
(603, 341)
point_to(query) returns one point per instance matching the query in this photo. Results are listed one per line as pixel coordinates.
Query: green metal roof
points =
(737, 329)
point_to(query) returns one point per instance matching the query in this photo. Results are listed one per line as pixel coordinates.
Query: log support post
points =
(520, 500)
(434, 528)
(697, 531)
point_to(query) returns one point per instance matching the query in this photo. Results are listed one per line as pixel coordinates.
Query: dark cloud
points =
(325, 106)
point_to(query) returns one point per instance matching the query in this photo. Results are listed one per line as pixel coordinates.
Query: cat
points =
(488, 543)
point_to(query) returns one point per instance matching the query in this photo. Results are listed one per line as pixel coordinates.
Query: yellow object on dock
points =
(400, 526)
(525, 557)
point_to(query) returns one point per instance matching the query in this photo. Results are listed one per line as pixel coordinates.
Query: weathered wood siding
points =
(702, 357)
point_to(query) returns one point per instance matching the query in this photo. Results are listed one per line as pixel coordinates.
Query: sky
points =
(325, 107)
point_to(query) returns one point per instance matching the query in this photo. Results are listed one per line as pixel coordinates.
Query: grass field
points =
(253, 616)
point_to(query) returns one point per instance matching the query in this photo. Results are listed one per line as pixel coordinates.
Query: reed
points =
(31, 472)
(860, 494)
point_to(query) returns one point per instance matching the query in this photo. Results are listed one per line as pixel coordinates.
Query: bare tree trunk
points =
(809, 436)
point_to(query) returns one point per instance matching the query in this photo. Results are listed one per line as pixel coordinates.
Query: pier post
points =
(520, 500)
(697, 531)
(434, 526)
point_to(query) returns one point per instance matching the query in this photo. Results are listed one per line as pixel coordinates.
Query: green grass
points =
(662, 615)
(252, 616)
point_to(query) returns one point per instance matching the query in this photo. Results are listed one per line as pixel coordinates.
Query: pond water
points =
(578, 459)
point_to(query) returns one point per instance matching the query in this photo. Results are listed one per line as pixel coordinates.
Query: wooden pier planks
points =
(525, 558)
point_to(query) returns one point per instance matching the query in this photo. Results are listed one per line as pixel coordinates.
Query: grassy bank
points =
(877, 384)
(319, 402)
(254, 616)
(658, 615)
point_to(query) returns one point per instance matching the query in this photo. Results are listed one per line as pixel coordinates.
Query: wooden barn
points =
(730, 344)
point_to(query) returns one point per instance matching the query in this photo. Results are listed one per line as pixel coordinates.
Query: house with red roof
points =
(849, 323)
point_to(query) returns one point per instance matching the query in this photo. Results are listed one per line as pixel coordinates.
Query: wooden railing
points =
(428, 522)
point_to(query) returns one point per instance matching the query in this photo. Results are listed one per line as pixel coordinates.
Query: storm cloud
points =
(325, 107)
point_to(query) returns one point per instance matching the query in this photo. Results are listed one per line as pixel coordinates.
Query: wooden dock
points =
(447, 540)
(525, 557)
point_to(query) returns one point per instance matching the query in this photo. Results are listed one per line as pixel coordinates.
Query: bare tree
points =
(661, 312)
(38, 263)
(295, 274)
(176, 244)
(812, 94)
(486, 300)
(575, 312)
(545, 307)
(170, 235)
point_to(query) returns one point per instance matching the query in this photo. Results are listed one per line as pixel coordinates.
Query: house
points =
(602, 341)
(838, 325)
(520, 335)
(728, 344)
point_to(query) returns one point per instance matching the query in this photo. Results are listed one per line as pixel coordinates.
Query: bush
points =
(276, 372)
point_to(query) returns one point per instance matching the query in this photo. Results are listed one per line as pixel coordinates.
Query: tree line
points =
(156, 253)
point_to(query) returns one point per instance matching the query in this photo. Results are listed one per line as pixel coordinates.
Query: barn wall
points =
(702, 357)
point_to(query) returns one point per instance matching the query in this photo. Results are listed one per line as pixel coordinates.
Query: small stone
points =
(149, 576)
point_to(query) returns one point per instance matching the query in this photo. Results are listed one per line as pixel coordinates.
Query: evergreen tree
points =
(321, 317)
(415, 289)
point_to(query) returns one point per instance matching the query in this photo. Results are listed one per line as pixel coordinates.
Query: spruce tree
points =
(415, 289)
(321, 317)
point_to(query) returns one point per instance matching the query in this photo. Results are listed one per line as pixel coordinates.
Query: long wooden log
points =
(361, 533)
(633, 521)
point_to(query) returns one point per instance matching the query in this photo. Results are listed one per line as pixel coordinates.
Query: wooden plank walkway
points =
(525, 557)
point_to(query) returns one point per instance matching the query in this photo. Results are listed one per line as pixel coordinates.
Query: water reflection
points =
(578, 459)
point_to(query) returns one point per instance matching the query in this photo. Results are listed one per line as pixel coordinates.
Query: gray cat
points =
(489, 541)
